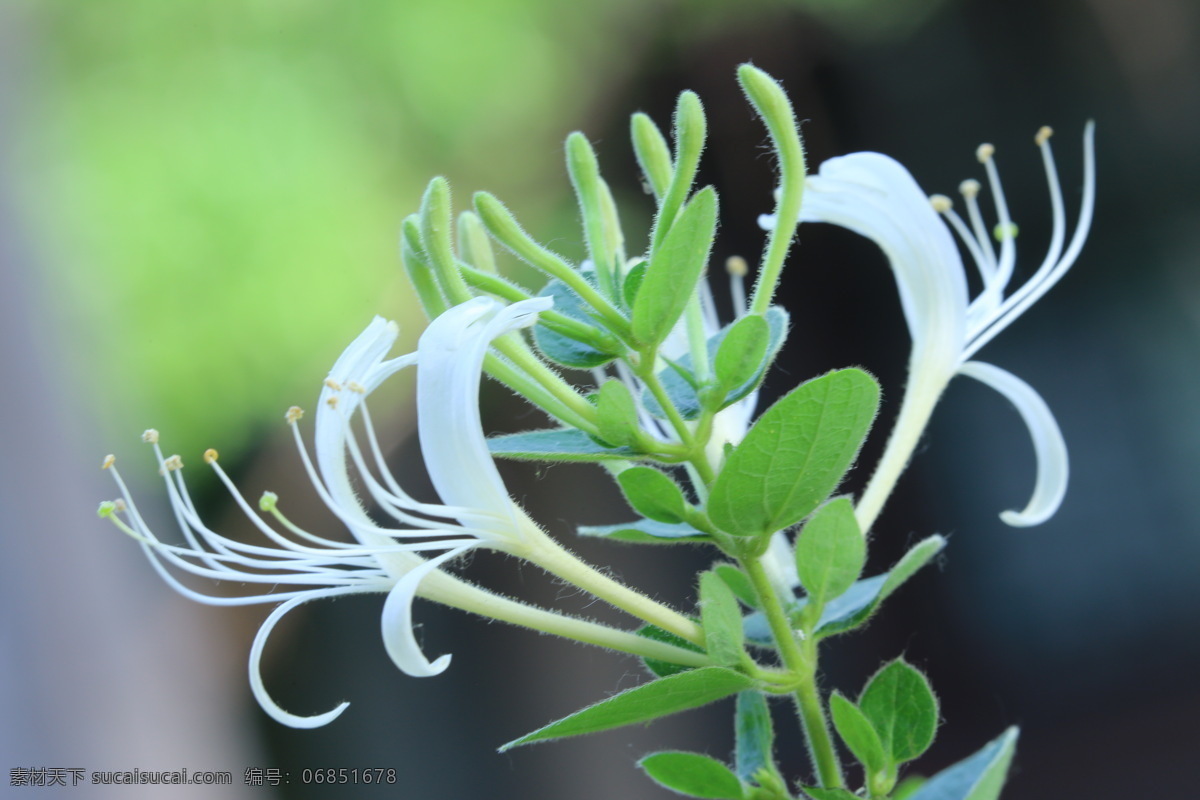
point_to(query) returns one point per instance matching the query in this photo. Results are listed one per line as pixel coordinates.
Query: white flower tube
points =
(876, 197)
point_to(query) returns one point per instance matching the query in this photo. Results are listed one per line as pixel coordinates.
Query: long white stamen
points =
(968, 240)
(1008, 250)
(350, 522)
(400, 498)
(969, 189)
(1050, 273)
(1058, 235)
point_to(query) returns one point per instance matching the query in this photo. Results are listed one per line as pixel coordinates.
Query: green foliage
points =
(681, 385)
(978, 777)
(907, 787)
(562, 349)
(617, 414)
(853, 608)
(660, 698)
(722, 620)
(555, 444)
(646, 531)
(754, 735)
(674, 270)
(830, 552)
(437, 239)
(602, 233)
(474, 247)
(859, 734)
(857, 605)
(903, 710)
(693, 774)
(659, 668)
(795, 455)
(653, 155)
(741, 353)
(818, 793)
(632, 283)
(653, 494)
(739, 582)
(417, 267)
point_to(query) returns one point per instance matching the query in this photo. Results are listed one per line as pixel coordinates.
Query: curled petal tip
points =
(1048, 444)
(398, 638)
(268, 705)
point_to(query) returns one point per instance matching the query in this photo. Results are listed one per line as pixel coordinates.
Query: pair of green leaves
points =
(894, 721)
(855, 606)
(789, 462)
(740, 354)
(830, 554)
(697, 775)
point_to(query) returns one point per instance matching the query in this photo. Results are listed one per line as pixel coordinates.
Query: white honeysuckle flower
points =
(449, 359)
(875, 196)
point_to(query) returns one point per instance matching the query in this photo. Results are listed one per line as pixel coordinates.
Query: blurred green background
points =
(199, 207)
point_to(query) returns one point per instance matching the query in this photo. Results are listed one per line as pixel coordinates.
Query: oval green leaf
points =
(903, 710)
(721, 618)
(795, 455)
(653, 494)
(741, 352)
(858, 733)
(675, 269)
(694, 775)
(830, 551)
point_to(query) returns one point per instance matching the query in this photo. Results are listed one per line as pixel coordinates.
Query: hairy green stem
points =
(557, 560)
(800, 658)
(449, 590)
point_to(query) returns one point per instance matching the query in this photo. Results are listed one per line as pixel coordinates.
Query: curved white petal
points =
(397, 623)
(875, 196)
(260, 640)
(1048, 444)
(363, 358)
(450, 359)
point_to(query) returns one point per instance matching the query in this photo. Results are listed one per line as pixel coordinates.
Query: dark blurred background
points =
(199, 205)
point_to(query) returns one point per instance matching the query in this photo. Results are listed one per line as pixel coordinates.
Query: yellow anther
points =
(332, 401)
(941, 203)
(356, 387)
(150, 436)
(109, 460)
(737, 266)
(293, 415)
(985, 152)
(172, 463)
(210, 456)
(969, 188)
(332, 384)
(1043, 135)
